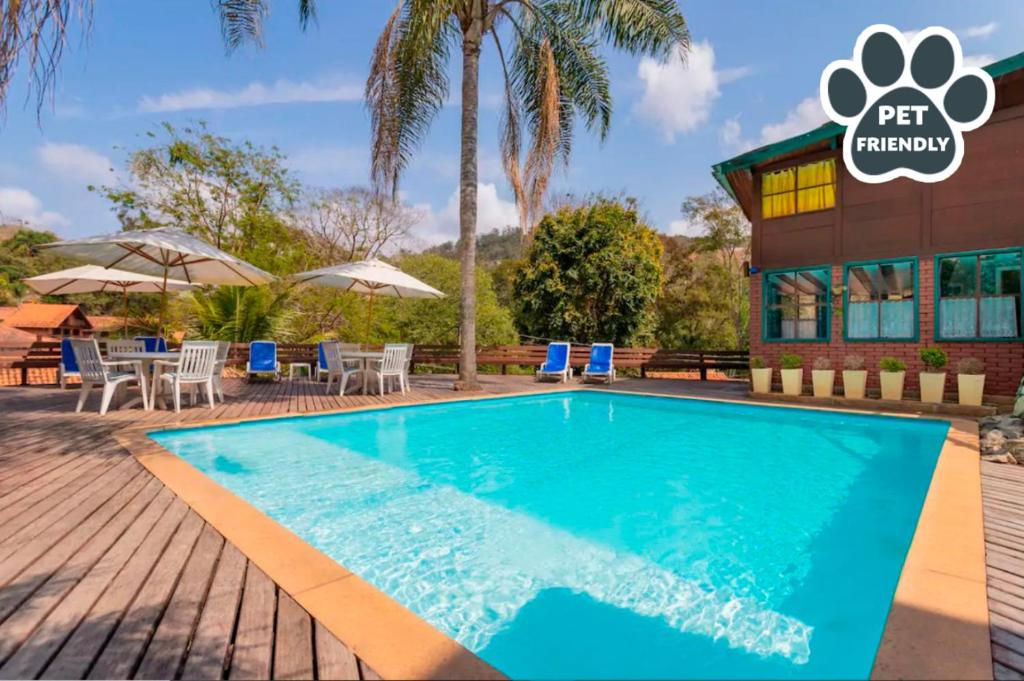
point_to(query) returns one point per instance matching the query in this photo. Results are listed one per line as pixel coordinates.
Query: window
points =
(800, 189)
(881, 301)
(979, 295)
(796, 304)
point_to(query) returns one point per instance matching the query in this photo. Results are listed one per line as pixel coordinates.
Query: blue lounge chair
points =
(557, 363)
(153, 343)
(68, 364)
(321, 362)
(263, 359)
(602, 364)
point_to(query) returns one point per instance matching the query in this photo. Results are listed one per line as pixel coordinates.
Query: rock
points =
(1015, 448)
(999, 458)
(992, 441)
(1011, 426)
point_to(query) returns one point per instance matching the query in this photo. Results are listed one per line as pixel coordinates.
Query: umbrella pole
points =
(369, 318)
(163, 307)
(125, 311)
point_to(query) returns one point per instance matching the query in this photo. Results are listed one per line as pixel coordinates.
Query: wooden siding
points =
(978, 207)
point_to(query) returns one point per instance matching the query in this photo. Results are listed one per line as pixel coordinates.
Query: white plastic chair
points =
(337, 368)
(125, 345)
(223, 348)
(195, 366)
(391, 366)
(94, 370)
(67, 367)
(408, 361)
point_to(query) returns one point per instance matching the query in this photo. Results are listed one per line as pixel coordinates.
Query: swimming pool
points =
(595, 534)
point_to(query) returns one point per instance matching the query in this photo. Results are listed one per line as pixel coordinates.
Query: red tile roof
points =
(102, 322)
(40, 316)
(13, 336)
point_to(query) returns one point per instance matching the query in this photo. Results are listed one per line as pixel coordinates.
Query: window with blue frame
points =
(979, 296)
(881, 301)
(795, 304)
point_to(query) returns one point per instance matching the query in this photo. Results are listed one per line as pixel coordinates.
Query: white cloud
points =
(76, 162)
(978, 60)
(808, 114)
(731, 136)
(21, 204)
(492, 212)
(678, 95)
(982, 31)
(254, 94)
(683, 227)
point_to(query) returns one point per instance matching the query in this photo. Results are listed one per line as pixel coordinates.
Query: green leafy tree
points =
(239, 314)
(436, 321)
(592, 273)
(705, 302)
(233, 195)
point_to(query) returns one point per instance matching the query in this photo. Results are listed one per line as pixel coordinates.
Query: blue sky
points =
(751, 78)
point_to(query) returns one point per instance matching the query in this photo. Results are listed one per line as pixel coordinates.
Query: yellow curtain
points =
(817, 186)
(777, 193)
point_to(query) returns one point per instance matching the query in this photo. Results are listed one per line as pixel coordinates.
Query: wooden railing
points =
(46, 355)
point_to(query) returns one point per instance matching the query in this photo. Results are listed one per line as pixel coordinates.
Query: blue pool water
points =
(592, 534)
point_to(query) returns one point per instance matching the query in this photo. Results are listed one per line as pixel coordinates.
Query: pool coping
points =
(937, 626)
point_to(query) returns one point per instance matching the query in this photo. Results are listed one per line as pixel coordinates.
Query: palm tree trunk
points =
(471, 40)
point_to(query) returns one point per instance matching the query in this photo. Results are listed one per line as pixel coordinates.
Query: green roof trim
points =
(826, 131)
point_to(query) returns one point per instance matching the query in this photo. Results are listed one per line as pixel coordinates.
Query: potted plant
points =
(760, 375)
(933, 378)
(823, 377)
(894, 370)
(792, 373)
(855, 377)
(970, 381)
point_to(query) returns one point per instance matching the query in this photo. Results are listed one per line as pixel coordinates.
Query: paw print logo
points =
(905, 104)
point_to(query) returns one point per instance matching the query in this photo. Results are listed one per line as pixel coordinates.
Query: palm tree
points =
(549, 55)
(553, 72)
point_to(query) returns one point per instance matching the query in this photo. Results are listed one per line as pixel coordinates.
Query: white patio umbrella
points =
(167, 253)
(96, 279)
(371, 278)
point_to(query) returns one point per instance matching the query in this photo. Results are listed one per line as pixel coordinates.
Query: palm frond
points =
(651, 27)
(37, 31)
(408, 83)
(241, 21)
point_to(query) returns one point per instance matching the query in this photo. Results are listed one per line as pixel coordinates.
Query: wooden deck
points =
(104, 573)
(1003, 495)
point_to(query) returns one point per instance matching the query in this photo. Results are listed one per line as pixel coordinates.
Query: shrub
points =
(853, 363)
(790, 360)
(971, 366)
(934, 359)
(892, 364)
(757, 363)
(822, 363)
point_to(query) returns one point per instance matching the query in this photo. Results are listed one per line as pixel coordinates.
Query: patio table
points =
(365, 357)
(151, 372)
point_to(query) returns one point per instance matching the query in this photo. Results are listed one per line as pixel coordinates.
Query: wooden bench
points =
(701, 360)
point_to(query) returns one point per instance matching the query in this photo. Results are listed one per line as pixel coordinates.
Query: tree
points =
(553, 73)
(704, 302)
(436, 321)
(726, 238)
(353, 224)
(233, 195)
(591, 274)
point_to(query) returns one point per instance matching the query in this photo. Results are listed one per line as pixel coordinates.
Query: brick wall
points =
(1004, 362)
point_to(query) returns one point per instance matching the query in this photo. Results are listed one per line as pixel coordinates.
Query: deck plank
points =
(253, 653)
(166, 650)
(293, 641)
(333, 658)
(209, 653)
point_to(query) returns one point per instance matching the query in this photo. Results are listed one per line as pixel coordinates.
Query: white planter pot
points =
(824, 381)
(892, 384)
(970, 388)
(932, 386)
(792, 381)
(854, 383)
(761, 380)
